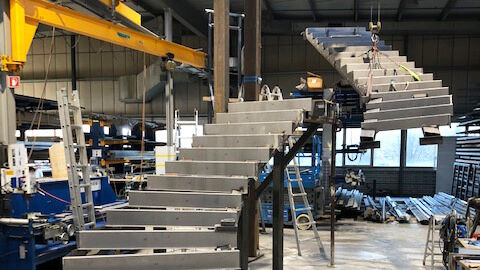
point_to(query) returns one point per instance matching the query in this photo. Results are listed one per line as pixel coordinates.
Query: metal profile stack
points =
(466, 169)
(384, 208)
(196, 205)
(396, 93)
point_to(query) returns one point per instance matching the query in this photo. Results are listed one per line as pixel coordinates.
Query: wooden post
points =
(221, 50)
(253, 45)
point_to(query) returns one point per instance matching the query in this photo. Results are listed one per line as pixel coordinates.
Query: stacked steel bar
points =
(466, 169)
(400, 209)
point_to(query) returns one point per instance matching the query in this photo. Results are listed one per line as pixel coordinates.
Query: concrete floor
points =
(359, 245)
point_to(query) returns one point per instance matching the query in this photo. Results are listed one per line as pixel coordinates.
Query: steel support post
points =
(403, 160)
(327, 149)
(278, 205)
(169, 101)
(7, 100)
(332, 196)
(253, 226)
(245, 225)
(239, 52)
(73, 60)
(210, 67)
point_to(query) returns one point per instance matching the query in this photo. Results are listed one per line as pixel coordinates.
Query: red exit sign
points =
(13, 81)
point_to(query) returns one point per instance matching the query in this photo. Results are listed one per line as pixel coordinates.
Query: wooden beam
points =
(447, 9)
(252, 53)
(312, 9)
(221, 49)
(401, 9)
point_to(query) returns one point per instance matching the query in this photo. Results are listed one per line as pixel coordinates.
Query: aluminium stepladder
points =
(433, 243)
(303, 194)
(73, 138)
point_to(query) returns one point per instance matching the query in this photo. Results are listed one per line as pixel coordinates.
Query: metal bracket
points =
(8, 65)
(429, 140)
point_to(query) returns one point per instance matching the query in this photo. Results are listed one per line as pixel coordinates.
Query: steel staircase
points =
(397, 99)
(197, 203)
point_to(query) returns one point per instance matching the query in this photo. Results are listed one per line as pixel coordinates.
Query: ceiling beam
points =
(427, 28)
(312, 8)
(401, 9)
(183, 12)
(447, 9)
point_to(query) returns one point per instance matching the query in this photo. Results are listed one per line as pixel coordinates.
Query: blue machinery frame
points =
(19, 245)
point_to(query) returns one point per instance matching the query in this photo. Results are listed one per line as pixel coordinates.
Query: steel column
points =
(243, 239)
(403, 160)
(278, 205)
(73, 60)
(7, 100)
(169, 101)
(253, 230)
(332, 195)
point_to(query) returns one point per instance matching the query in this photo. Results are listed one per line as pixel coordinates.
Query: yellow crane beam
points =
(25, 15)
(123, 9)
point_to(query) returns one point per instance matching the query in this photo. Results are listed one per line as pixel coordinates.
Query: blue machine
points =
(310, 163)
(23, 246)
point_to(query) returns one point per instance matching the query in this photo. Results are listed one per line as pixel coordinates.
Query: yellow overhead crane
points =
(25, 15)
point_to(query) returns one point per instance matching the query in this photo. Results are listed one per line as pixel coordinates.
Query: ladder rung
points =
(299, 194)
(76, 126)
(303, 209)
(85, 185)
(89, 204)
(307, 223)
(80, 145)
(75, 107)
(92, 223)
(294, 180)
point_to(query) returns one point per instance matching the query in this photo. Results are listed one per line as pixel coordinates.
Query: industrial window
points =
(353, 138)
(339, 156)
(453, 130)
(388, 155)
(126, 131)
(184, 136)
(419, 155)
(40, 133)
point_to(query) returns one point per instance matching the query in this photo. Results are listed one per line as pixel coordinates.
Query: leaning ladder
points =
(291, 197)
(73, 138)
(430, 250)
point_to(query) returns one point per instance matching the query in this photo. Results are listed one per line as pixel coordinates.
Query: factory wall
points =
(454, 59)
(99, 66)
